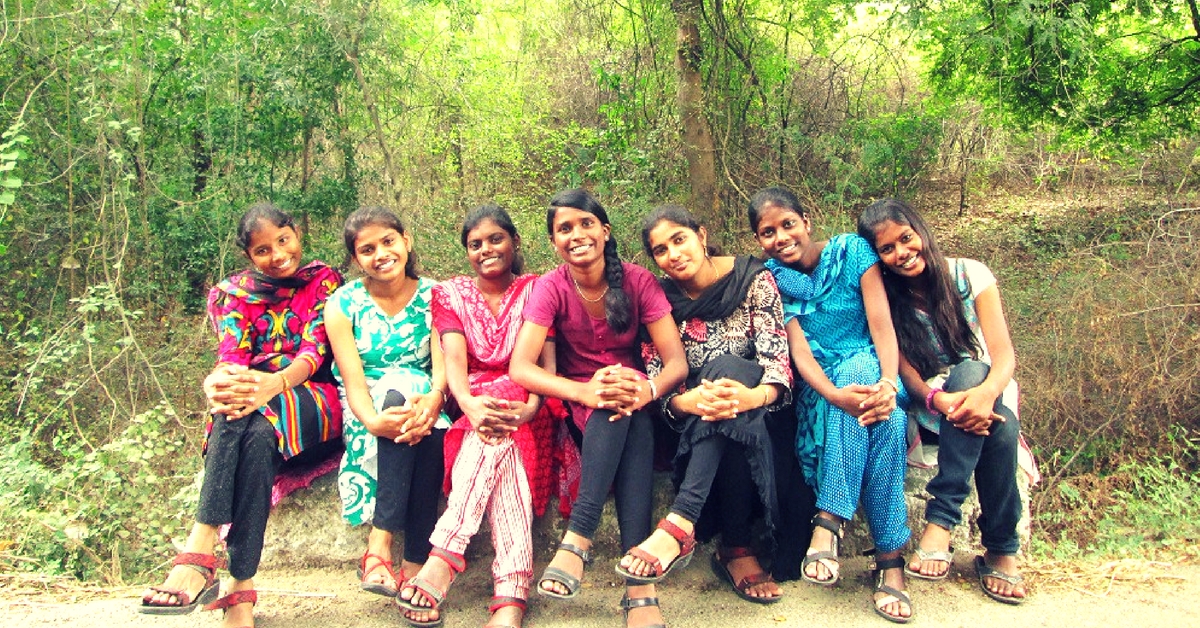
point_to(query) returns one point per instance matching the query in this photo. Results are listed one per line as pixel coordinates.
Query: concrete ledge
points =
(307, 530)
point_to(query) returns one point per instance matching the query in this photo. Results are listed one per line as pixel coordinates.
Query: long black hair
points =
(941, 293)
(498, 215)
(676, 214)
(383, 217)
(262, 211)
(616, 302)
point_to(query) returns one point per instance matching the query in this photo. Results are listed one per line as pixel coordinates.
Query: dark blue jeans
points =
(993, 461)
(617, 454)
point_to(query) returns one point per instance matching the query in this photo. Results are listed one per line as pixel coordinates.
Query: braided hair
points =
(616, 302)
(941, 294)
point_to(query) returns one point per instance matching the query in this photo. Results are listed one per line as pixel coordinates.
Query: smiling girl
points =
(595, 303)
(958, 356)
(851, 434)
(272, 398)
(384, 344)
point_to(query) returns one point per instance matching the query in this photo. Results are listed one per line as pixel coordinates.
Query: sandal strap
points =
(900, 596)
(829, 524)
(755, 579)
(941, 556)
(457, 562)
(427, 589)
(233, 599)
(648, 558)
(501, 601)
(583, 554)
(888, 563)
(630, 603)
(687, 542)
(726, 554)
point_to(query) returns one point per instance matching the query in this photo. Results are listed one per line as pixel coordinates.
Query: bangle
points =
(443, 393)
(766, 393)
(666, 406)
(286, 386)
(653, 389)
(890, 382)
(929, 400)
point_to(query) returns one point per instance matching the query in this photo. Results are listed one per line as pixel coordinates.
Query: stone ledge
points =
(307, 530)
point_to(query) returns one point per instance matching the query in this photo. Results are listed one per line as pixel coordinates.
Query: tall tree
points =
(698, 146)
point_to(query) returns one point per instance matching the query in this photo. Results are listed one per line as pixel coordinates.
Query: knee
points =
(862, 368)
(966, 375)
(746, 372)
(260, 433)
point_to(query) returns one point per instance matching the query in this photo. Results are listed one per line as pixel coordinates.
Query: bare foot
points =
(935, 539)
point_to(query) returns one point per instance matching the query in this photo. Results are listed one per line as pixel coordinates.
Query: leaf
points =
(7, 198)
(10, 182)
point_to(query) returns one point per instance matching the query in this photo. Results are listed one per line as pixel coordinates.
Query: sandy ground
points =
(330, 598)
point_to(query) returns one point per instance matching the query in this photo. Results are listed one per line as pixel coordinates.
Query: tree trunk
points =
(698, 145)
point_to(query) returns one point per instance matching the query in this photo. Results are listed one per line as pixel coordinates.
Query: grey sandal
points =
(830, 555)
(630, 603)
(893, 593)
(569, 582)
(987, 571)
(934, 555)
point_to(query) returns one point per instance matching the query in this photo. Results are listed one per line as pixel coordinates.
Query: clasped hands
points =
(407, 423)
(235, 390)
(718, 400)
(970, 410)
(493, 418)
(870, 404)
(618, 388)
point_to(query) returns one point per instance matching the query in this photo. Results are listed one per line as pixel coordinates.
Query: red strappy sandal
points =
(206, 565)
(430, 591)
(687, 547)
(233, 599)
(378, 588)
(500, 602)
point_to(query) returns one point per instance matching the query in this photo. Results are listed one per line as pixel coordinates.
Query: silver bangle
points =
(653, 389)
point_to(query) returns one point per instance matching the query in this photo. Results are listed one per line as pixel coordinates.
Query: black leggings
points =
(619, 454)
(407, 490)
(239, 470)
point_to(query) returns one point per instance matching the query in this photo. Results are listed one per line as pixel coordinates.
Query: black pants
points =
(619, 454)
(239, 470)
(407, 491)
(716, 460)
(991, 459)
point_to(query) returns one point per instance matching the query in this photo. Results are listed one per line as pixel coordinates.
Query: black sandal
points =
(630, 603)
(569, 582)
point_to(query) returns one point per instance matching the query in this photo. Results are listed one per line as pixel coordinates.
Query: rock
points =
(306, 529)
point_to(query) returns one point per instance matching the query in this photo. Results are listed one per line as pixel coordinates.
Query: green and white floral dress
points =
(395, 352)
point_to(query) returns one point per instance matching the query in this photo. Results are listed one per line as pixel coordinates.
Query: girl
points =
(390, 363)
(851, 434)
(956, 355)
(503, 440)
(272, 397)
(731, 320)
(595, 303)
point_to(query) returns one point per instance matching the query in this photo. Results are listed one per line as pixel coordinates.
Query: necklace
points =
(687, 293)
(579, 289)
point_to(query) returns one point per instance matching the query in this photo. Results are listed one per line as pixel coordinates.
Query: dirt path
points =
(323, 598)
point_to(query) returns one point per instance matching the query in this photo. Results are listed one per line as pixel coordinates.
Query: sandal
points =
(987, 571)
(569, 582)
(430, 591)
(378, 588)
(687, 547)
(500, 602)
(628, 604)
(893, 594)
(829, 557)
(233, 599)
(204, 564)
(720, 566)
(931, 555)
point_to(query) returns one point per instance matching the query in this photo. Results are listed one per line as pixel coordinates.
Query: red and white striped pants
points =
(490, 479)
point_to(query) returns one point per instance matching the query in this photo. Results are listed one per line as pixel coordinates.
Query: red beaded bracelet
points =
(929, 400)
